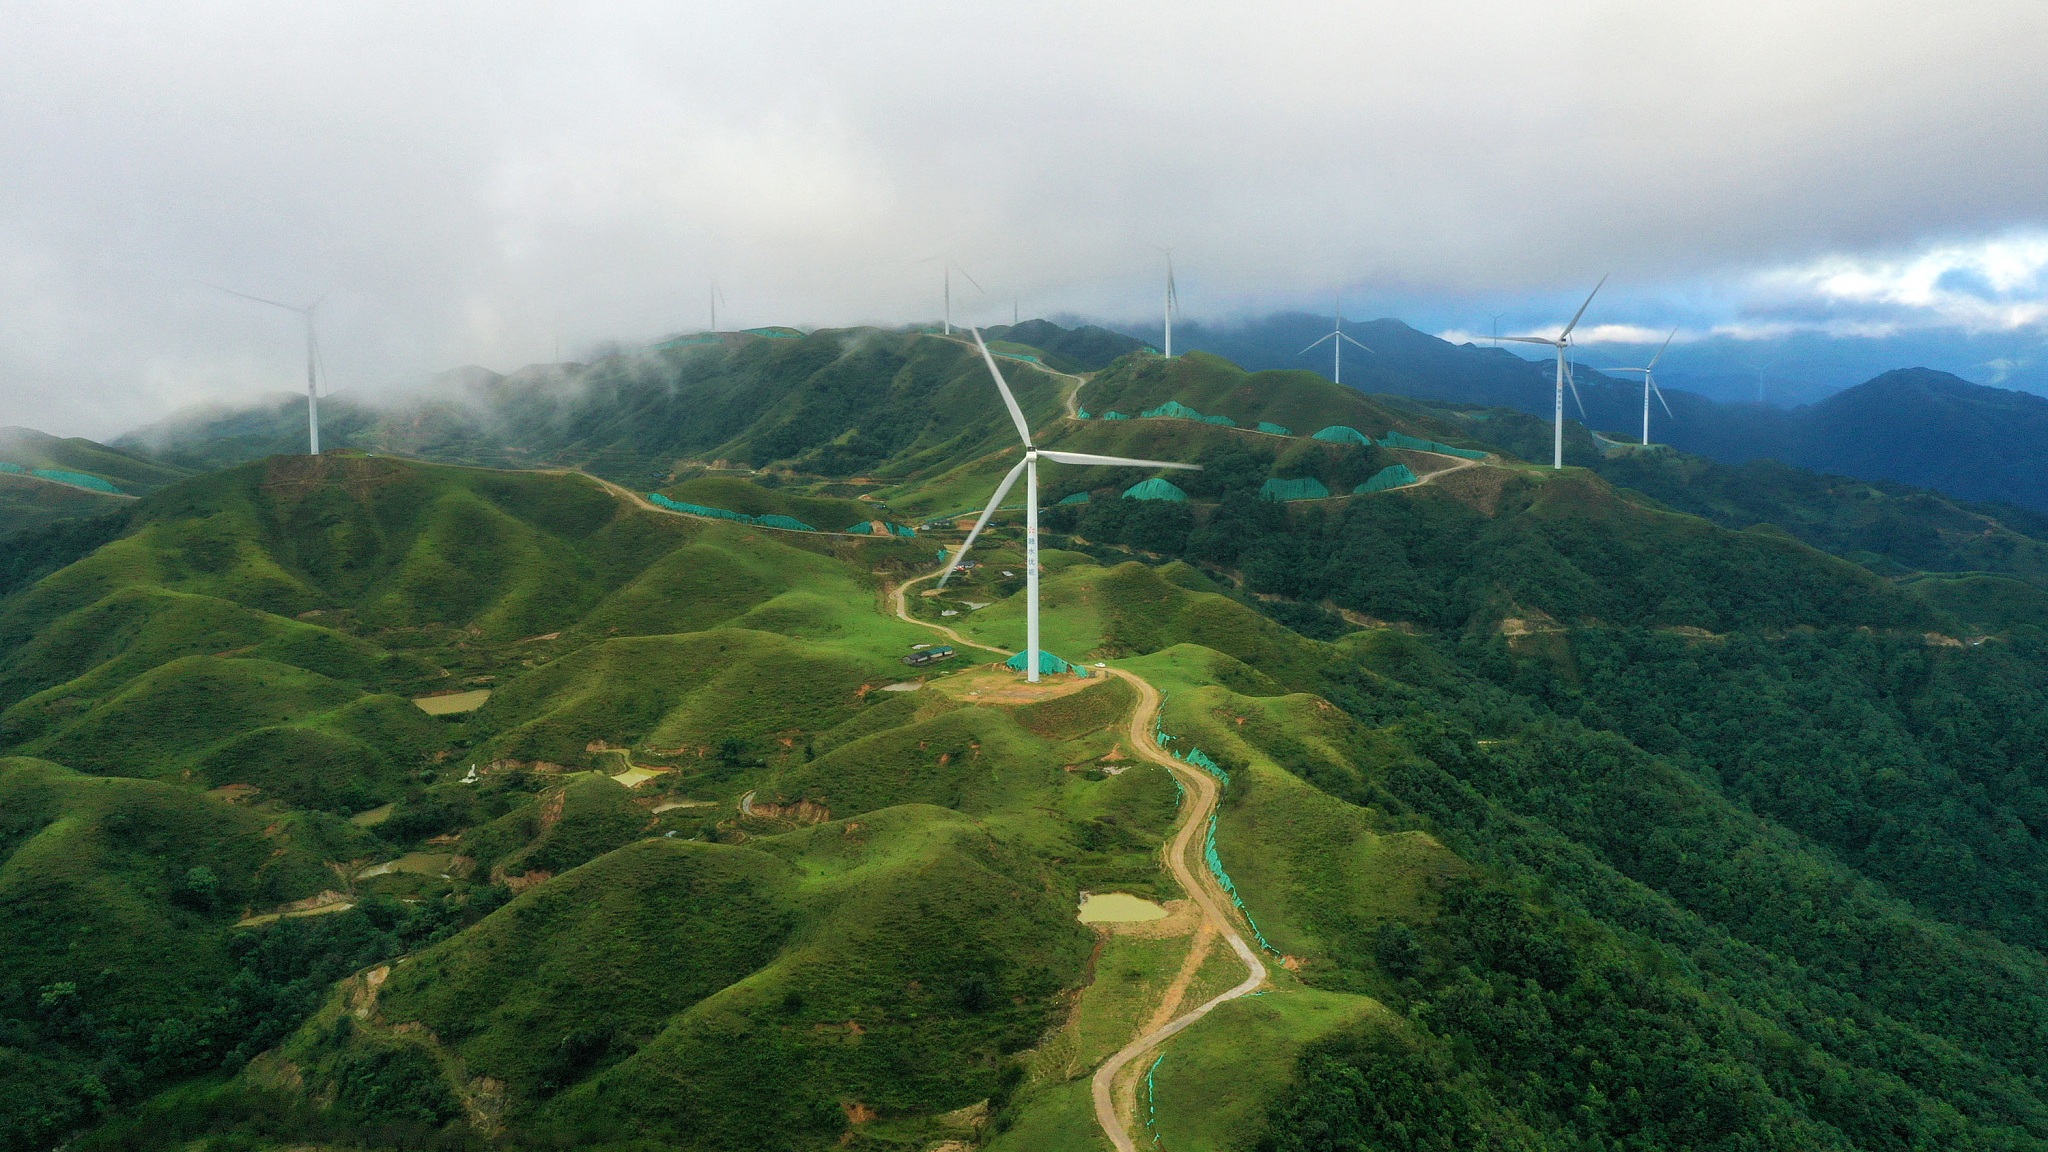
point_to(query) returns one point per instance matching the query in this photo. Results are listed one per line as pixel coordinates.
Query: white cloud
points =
(475, 181)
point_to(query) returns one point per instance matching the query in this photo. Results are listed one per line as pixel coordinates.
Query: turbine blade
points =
(1517, 339)
(1574, 384)
(258, 299)
(1312, 347)
(970, 280)
(1660, 349)
(1582, 308)
(1355, 343)
(994, 502)
(1621, 369)
(1660, 396)
(1009, 401)
(1116, 461)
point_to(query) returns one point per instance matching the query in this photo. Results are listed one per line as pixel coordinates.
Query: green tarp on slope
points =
(76, 479)
(1173, 408)
(1047, 662)
(771, 520)
(1076, 498)
(1275, 429)
(1154, 489)
(1342, 434)
(1397, 476)
(1113, 414)
(1302, 488)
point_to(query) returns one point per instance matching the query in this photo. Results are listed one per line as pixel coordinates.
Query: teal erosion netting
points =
(1076, 498)
(1082, 414)
(867, 528)
(76, 479)
(1196, 757)
(1302, 488)
(1154, 489)
(1342, 434)
(1152, 1100)
(1047, 663)
(686, 341)
(1275, 429)
(771, 520)
(1402, 440)
(1113, 414)
(1173, 408)
(772, 334)
(1394, 476)
(1225, 421)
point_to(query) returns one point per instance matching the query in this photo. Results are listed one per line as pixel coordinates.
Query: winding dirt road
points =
(1203, 791)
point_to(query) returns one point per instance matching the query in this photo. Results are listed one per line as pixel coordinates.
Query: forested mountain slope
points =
(362, 802)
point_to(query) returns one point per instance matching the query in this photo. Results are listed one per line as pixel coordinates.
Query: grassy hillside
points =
(1564, 818)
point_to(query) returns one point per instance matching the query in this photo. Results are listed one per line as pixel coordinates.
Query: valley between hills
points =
(542, 770)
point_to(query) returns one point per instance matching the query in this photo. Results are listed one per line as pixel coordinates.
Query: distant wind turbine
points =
(312, 361)
(1172, 303)
(1562, 342)
(1336, 336)
(946, 262)
(1029, 468)
(715, 296)
(1649, 372)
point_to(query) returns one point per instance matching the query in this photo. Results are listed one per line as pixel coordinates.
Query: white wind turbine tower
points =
(1028, 467)
(312, 360)
(1172, 303)
(947, 264)
(1562, 342)
(714, 297)
(1337, 337)
(1650, 385)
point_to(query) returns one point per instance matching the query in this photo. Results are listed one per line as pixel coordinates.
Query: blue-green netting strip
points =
(1201, 760)
(1152, 1099)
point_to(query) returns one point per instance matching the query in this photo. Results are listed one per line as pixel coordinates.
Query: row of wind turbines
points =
(1562, 342)
(1336, 337)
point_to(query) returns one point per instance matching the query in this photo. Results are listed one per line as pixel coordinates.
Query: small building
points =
(929, 656)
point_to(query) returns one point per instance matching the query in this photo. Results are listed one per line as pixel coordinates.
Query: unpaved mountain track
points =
(1202, 792)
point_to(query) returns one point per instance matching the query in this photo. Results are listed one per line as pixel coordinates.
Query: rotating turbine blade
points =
(1312, 347)
(1660, 350)
(1660, 396)
(1520, 339)
(1354, 343)
(1582, 309)
(970, 280)
(1115, 461)
(1574, 384)
(994, 502)
(258, 299)
(1009, 401)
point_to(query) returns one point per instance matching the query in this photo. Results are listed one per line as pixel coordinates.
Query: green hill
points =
(1563, 817)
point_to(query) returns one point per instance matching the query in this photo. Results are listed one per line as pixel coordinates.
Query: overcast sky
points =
(480, 183)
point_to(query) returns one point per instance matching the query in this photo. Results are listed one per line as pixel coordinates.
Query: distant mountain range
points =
(1913, 425)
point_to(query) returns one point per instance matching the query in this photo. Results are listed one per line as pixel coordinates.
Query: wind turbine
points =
(1562, 342)
(1649, 372)
(1172, 303)
(1028, 467)
(1336, 336)
(947, 263)
(312, 360)
(715, 297)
